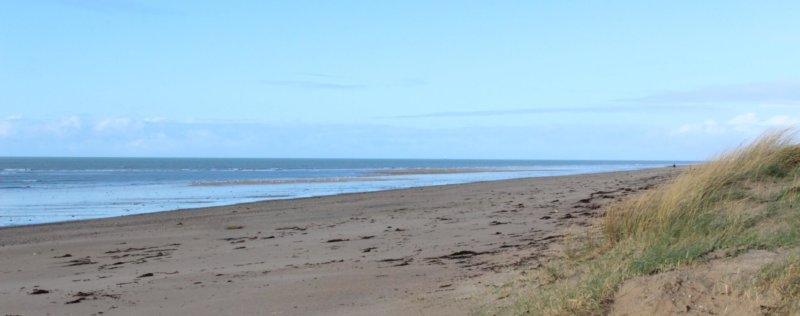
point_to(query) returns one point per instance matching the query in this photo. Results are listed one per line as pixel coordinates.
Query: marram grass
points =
(746, 199)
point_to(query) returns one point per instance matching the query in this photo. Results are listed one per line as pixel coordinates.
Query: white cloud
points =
(63, 126)
(199, 133)
(117, 124)
(744, 119)
(751, 122)
(783, 120)
(6, 129)
(71, 122)
(154, 119)
(707, 127)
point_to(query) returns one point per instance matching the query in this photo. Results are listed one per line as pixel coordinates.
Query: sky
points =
(633, 80)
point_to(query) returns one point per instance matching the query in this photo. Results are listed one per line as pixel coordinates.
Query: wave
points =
(15, 187)
(14, 170)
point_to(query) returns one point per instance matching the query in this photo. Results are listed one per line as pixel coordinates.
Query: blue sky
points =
(409, 79)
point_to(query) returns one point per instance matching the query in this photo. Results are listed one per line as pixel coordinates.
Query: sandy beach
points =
(420, 251)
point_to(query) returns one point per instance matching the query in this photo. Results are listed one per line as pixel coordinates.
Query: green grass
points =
(747, 199)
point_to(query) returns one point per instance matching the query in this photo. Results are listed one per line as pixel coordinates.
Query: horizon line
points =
(351, 158)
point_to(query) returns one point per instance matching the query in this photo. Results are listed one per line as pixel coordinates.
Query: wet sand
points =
(419, 251)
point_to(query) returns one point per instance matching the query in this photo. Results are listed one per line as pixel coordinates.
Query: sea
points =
(37, 190)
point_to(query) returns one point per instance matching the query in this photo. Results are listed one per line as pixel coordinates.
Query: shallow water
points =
(42, 190)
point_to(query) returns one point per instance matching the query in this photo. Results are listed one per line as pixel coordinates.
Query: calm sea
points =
(43, 190)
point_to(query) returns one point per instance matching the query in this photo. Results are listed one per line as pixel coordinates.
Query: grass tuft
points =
(781, 281)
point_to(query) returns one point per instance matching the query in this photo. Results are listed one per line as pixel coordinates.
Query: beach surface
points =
(419, 251)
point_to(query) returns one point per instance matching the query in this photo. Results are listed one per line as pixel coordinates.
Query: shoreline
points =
(420, 250)
(290, 198)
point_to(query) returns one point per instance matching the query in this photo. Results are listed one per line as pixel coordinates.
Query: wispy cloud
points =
(752, 122)
(314, 85)
(111, 6)
(748, 123)
(530, 111)
(778, 92)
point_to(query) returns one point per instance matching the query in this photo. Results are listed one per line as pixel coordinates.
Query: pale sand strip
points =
(347, 179)
(403, 252)
(285, 181)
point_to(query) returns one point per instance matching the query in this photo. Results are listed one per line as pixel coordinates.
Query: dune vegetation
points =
(744, 202)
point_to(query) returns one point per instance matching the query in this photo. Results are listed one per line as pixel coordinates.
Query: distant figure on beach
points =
(674, 166)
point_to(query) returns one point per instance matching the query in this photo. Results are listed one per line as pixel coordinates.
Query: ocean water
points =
(44, 190)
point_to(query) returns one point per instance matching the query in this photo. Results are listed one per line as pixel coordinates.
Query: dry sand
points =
(703, 289)
(420, 251)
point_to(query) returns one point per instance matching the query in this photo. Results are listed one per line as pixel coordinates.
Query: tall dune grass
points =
(683, 204)
(746, 199)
